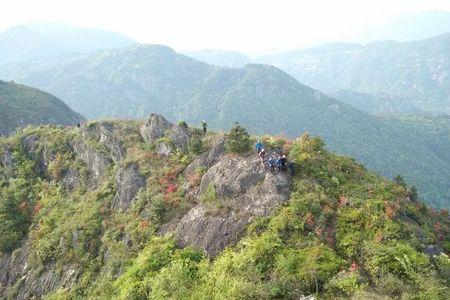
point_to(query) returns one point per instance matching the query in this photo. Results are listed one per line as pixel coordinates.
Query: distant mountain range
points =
(132, 82)
(25, 42)
(223, 58)
(417, 71)
(22, 105)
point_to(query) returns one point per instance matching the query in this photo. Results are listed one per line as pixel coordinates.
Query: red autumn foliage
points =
(353, 267)
(309, 219)
(143, 224)
(171, 188)
(343, 201)
(37, 207)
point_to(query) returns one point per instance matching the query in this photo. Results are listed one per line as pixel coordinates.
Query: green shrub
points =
(16, 206)
(308, 269)
(209, 196)
(151, 204)
(238, 140)
(183, 124)
(176, 280)
(345, 284)
(195, 145)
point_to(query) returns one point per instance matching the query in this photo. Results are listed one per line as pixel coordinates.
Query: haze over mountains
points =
(223, 58)
(25, 42)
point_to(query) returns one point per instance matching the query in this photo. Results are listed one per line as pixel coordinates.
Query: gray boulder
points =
(155, 128)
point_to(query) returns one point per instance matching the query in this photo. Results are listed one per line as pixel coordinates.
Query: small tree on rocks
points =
(238, 140)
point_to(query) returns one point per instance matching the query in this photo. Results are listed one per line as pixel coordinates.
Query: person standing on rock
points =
(259, 146)
(261, 154)
(205, 126)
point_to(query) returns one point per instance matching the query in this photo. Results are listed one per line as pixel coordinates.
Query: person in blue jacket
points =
(259, 146)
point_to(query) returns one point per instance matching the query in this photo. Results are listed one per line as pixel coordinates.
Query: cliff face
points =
(105, 209)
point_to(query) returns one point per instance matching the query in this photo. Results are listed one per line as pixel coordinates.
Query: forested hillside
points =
(22, 105)
(153, 210)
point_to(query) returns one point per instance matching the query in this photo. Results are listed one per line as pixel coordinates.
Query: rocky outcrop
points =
(128, 183)
(247, 191)
(157, 127)
(433, 250)
(6, 159)
(207, 158)
(20, 278)
(96, 161)
(103, 133)
(42, 156)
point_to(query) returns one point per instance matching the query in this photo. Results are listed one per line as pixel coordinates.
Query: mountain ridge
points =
(131, 82)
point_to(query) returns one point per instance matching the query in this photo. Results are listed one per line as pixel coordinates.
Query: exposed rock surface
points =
(433, 250)
(16, 272)
(207, 158)
(6, 159)
(158, 127)
(247, 190)
(128, 183)
(102, 132)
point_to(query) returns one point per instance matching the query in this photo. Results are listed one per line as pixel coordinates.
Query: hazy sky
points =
(245, 25)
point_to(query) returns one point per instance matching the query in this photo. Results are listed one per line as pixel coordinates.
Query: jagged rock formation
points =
(157, 127)
(250, 191)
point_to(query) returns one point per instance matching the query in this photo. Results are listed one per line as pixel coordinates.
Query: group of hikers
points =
(275, 162)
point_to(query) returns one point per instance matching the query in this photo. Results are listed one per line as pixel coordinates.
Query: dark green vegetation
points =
(416, 71)
(238, 140)
(134, 81)
(345, 231)
(25, 42)
(21, 105)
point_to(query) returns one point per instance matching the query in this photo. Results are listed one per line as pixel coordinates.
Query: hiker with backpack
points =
(272, 163)
(204, 126)
(282, 162)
